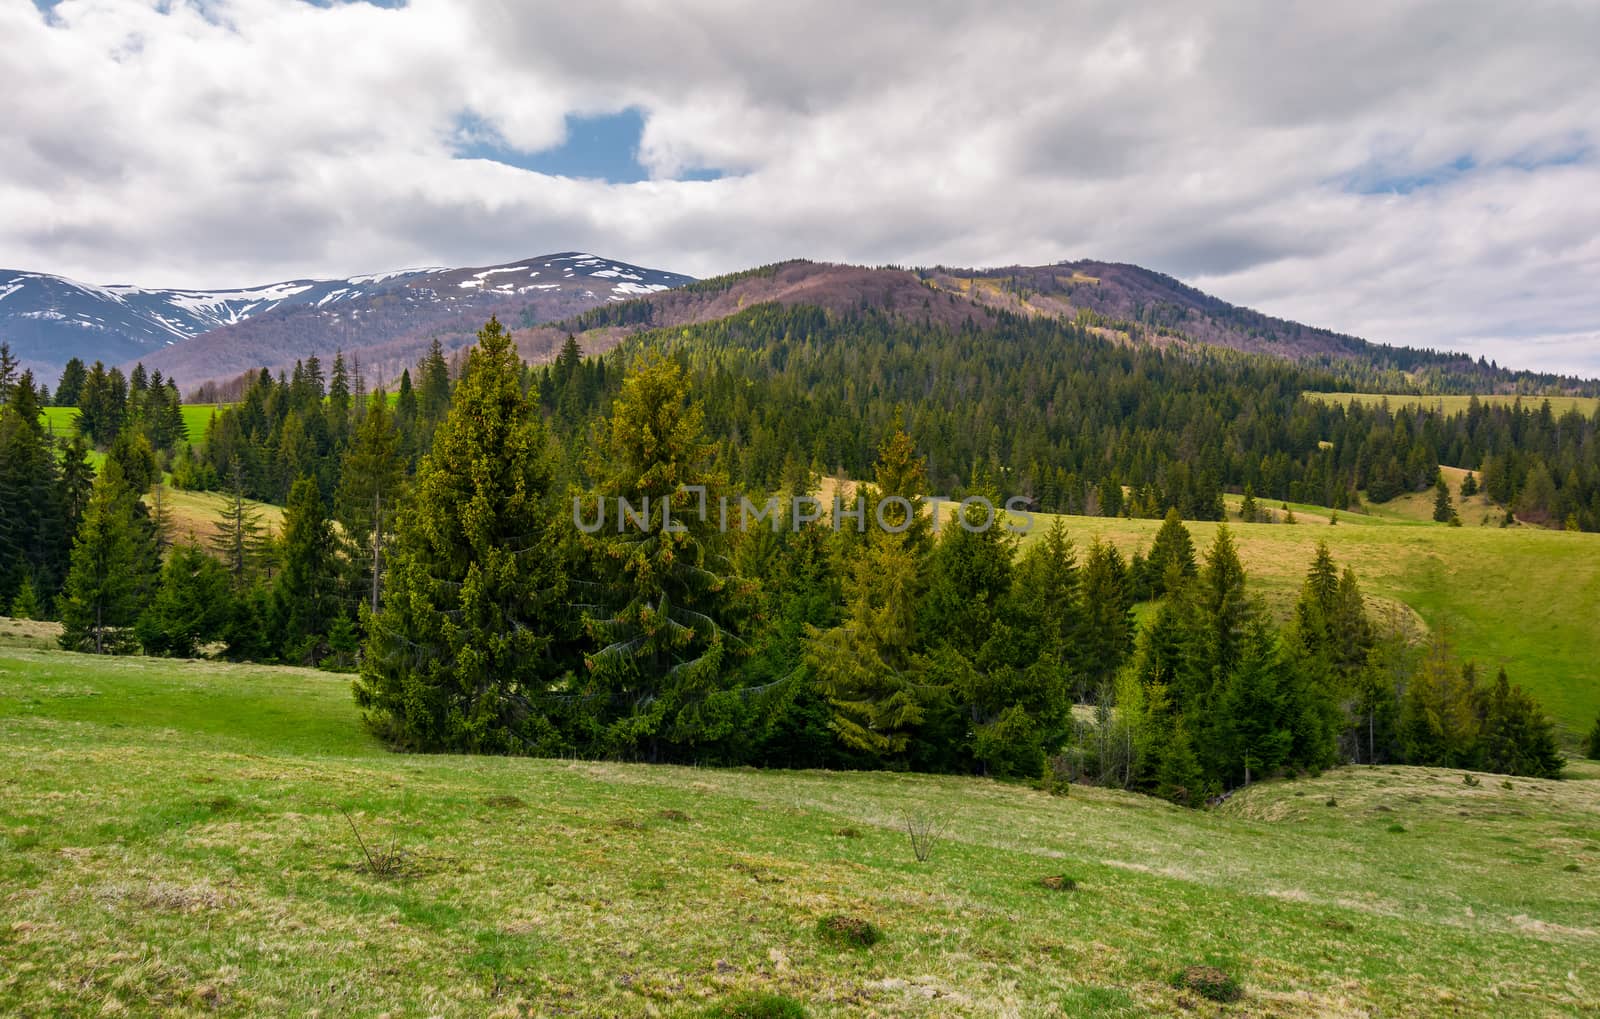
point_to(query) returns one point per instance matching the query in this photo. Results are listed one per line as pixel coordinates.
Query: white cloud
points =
(1421, 173)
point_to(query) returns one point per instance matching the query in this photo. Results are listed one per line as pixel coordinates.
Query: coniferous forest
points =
(429, 546)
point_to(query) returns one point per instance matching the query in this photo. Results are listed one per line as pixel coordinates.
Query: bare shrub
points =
(925, 831)
(381, 863)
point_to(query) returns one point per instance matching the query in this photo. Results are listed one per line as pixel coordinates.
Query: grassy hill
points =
(1524, 598)
(172, 841)
(196, 418)
(1559, 405)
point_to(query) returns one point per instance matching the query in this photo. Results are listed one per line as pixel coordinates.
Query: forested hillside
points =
(435, 541)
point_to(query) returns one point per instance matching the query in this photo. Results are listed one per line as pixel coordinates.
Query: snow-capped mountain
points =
(202, 333)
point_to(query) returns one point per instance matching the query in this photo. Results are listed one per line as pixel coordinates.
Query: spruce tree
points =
(1443, 508)
(1172, 549)
(193, 605)
(1469, 485)
(369, 496)
(669, 606)
(305, 595)
(867, 667)
(1248, 513)
(71, 384)
(8, 374)
(469, 644)
(26, 604)
(1593, 747)
(112, 573)
(34, 529)
(240, 539)
(1517, 738)
(1106, 629)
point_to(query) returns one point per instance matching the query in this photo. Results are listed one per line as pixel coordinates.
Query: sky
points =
(1411, 172)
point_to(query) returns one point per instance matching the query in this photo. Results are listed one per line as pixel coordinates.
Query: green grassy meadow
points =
(1559, 405)
(1524, 598)
(196, 418)
(172, 842)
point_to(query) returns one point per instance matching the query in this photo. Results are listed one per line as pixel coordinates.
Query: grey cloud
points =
(257, 140)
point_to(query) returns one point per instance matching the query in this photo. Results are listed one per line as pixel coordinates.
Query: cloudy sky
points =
(1422, 173)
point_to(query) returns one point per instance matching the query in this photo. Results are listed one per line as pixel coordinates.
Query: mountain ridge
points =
(199, 334)
(387, 320)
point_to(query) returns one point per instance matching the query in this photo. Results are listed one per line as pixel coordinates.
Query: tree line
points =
(427, 542)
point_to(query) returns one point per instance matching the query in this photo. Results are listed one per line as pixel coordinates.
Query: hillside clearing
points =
(1559, 405)
(171, 839)
(1524, 598)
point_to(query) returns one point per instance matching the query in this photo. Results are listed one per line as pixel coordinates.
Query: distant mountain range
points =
(388, 320)
(384, 318)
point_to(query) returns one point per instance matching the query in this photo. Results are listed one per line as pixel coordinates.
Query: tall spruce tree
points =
(305, 595)
(667, 615)
(35, 529)
(1172, 550)
(369, 496)
(113, 569)
(240, 539)
(471, 640)
(1106, 629)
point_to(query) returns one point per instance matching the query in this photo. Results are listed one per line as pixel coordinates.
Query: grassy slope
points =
(197, 418)
(1559, 405)
(1524, 598)
(197, 513)
(169, 842)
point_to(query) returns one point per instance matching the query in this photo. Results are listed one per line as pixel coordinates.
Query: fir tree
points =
(34, 529)
(1172, 550)
(305, 596)
(193, 605)
(71, 384)
(369, 495)
(112, 569)
(1105, 635)
(866, 666)
(468, 646)
(1469, 486)
(1443, 508)
(240, 539)
(666, 616)
(1517, 738)
(26, 604)
(8, 374)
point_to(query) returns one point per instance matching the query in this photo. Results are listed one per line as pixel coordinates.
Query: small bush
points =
(627, 824)
(1507, 784)
(672, 815)
(1059, 883)
(1470, 780)
(1332, 802)
(1396, 829)
(848, 931)
(1059, 770)
(756, 1005)
(1209, 982)
(1333, 923)
(504, 802)
(1572, 868)
(847, 833)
